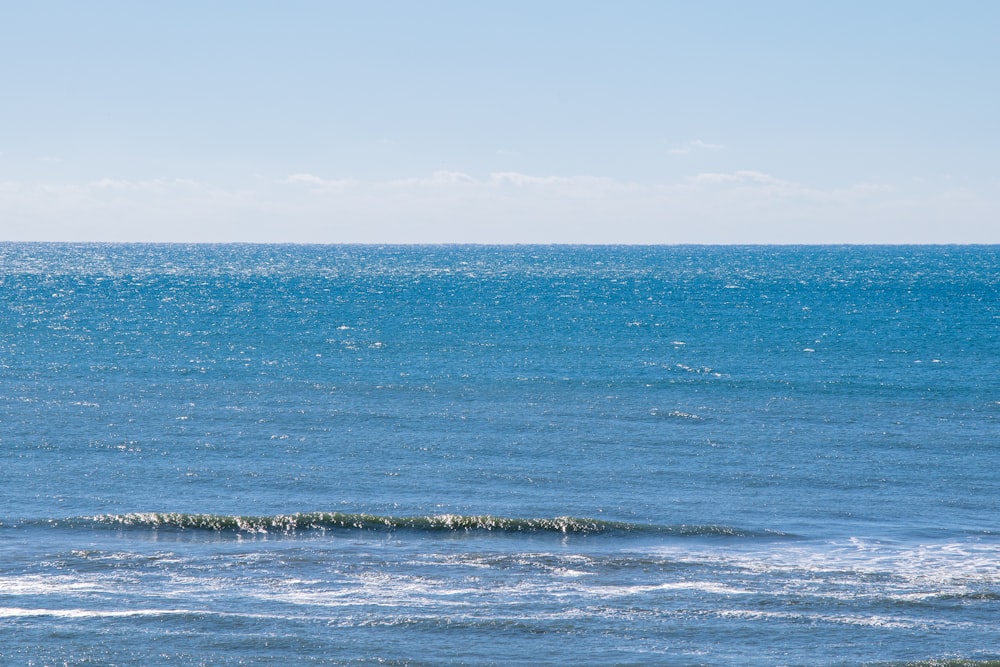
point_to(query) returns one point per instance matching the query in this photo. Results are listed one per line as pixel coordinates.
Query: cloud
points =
(442, 178)
(121, 210)
(744, 206)
(317, 182)
(584, 184)
(737, 178)
(696, 144)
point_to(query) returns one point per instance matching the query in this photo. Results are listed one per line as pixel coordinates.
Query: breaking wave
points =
(312, 521)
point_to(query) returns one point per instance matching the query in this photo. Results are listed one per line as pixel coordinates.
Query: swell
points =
(320, 521)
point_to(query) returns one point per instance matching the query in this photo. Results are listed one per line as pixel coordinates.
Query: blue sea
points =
(524, 455)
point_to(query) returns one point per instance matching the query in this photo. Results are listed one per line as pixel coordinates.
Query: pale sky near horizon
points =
(513, 122)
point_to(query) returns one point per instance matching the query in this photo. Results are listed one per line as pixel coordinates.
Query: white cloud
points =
(582, 183)
(437, 179)
(737, 178)
(319, 183)
(696, 144)
(504, 207)
(305, 178)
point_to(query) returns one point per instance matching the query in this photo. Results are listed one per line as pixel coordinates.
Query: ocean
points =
(536, 455)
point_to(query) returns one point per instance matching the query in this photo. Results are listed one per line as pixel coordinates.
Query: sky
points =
(376, 121)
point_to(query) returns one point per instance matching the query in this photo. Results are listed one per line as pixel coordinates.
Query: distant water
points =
(306, 455)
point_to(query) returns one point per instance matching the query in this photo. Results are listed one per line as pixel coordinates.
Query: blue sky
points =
(577, 122)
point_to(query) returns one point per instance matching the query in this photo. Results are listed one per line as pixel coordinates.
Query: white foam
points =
(22, 612)
(52, 585)
(868, 620)
(81, 613)
(712, 587)
(862, 568)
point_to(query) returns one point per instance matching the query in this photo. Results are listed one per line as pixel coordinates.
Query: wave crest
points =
(307, 521)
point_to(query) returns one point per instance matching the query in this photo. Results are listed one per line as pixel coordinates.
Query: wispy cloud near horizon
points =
(742, 206)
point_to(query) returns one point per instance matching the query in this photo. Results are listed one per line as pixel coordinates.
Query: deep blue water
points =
(257, 455)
